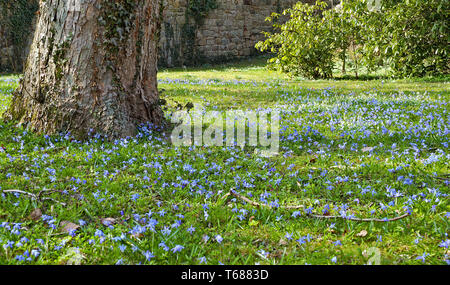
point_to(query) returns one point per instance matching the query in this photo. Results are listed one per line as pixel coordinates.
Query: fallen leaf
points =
(366, 149)
(283, 242)
(67, 227)
(362, 233)
(108, 221)
(36, 214)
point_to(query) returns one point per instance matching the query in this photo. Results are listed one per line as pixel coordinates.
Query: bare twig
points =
(37, 197)
(21, 192)
(54, 200)
(256, 204)
(253, 203)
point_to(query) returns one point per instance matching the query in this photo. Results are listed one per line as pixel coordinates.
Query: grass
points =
(368, 148)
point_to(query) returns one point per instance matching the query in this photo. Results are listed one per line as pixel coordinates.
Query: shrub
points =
(409, 36)
(303, 45)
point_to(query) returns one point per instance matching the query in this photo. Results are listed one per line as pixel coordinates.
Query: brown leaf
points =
(67, 227)
(36, 214)
(362, 233)
(108, 221)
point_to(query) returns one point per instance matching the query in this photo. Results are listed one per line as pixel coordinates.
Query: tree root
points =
(259, 205)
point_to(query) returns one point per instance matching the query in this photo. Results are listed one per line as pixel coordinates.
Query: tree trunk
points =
(91, 68)
(344, 58)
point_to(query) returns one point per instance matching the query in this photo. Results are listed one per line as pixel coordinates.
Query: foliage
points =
(304, 44)
(118, 20)
(411, 37)
(199, 9)
(415, 37)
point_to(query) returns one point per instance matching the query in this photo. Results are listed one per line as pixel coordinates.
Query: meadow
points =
(355, 155)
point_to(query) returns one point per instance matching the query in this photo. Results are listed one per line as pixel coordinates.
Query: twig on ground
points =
(256, 204)
(37, 197)
(21, 192)
(253, 203)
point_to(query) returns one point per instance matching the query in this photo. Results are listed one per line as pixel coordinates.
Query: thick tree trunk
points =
(92, 67)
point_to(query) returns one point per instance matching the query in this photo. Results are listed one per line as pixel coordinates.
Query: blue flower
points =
(164, 246)
(99, 233)
(122, 247)
(288, 236)
(202, 260)
(422, 257)
(177, 248)
(148, 255)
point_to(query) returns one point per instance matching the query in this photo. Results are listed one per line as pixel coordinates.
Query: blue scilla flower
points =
(177, 248)
(99, 233)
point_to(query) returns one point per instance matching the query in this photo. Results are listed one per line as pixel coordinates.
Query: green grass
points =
(323, 164)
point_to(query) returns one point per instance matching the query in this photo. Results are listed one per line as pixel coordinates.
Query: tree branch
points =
(259, 205)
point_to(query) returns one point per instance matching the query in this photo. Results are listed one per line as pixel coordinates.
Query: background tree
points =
(304, 45)
(92, 67)
(410, 37)
(415, 37)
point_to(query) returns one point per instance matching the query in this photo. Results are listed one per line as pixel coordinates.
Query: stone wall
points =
(14, 48)
(6, 47)
(228, 32)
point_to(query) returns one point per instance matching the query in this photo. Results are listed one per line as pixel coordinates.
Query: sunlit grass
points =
(373, 148)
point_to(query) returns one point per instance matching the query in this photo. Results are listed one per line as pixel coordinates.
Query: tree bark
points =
(91, 68)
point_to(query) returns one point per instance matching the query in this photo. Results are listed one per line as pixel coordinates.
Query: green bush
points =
(415, 37)
(410, 37)
(304, 44)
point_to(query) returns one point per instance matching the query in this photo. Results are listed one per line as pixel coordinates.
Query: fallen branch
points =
(37, 197)
(21, 192)
(259, 205)
(253, 203)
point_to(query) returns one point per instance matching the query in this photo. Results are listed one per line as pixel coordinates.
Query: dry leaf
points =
(36, 214)
(366, 149)
(68, 226)
(108, 221)
(362, 233)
